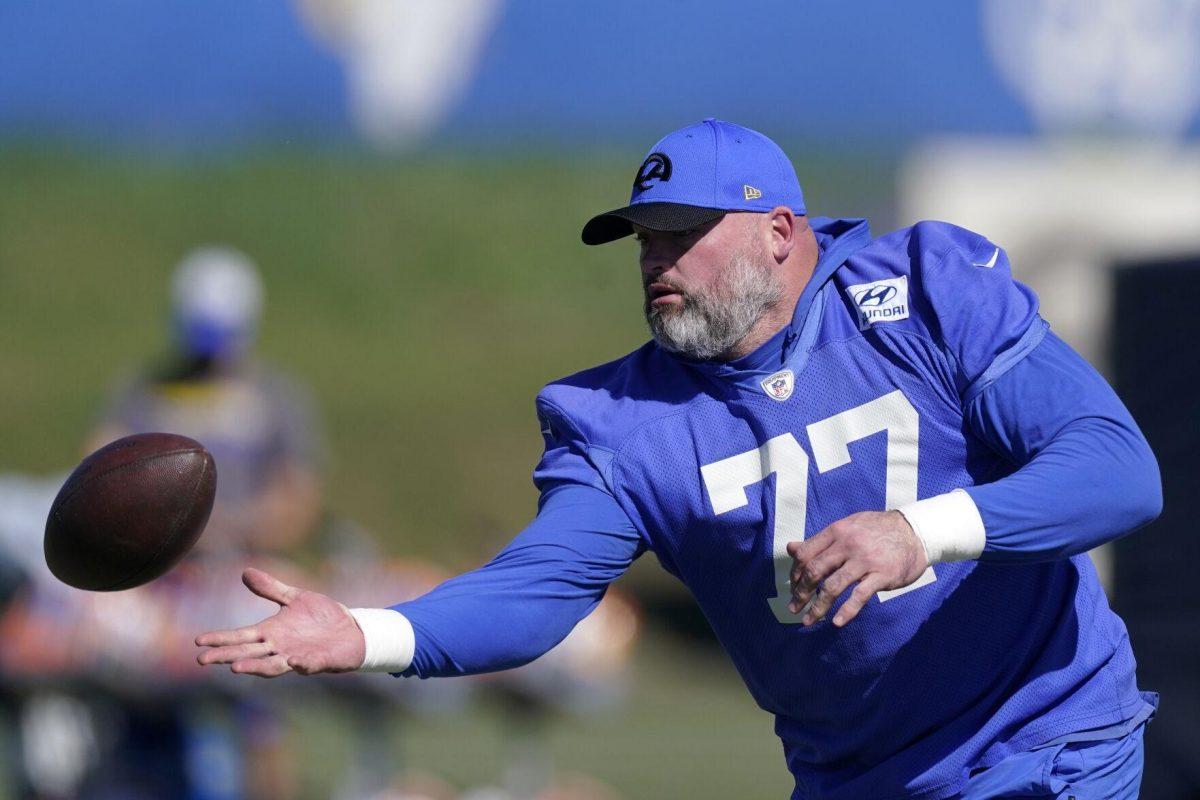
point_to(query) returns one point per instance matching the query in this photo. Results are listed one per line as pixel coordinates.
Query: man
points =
(869, 460)
(258, 424)
(257, 421)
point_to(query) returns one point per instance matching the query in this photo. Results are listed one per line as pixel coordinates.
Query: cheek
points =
(696, 271)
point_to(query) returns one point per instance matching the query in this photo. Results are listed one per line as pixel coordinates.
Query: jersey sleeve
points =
(126, 405)
(299, 433)
(528, 598)
(1086, 473)
(549, 577)
(984, 320)
(1080, 471)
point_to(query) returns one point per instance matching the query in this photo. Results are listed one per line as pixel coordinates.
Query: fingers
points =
(807, 575)
(862, 593)
(811, 546)
(268, 667)
(269, 587)
(247, 635)
(805, 553)
(241, 652)
(849, 574)
(859, 549)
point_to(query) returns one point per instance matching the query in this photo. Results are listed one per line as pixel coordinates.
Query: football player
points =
(871, 462)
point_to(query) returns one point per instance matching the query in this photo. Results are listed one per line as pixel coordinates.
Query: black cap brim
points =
(618, 224)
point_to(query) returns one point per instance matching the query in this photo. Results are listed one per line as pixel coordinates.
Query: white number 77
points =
(726, 480)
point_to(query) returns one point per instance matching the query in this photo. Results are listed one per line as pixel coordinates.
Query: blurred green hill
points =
(425, 300)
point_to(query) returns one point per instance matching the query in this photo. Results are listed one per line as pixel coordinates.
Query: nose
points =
(652, 269)
(655, 259)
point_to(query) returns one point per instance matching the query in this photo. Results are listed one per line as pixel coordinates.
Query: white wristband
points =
(949, 525)
(389, 637)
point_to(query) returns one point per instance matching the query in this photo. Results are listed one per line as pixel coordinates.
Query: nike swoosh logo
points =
(991, 262)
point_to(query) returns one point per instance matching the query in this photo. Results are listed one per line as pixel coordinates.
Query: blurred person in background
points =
(259, 426)
(256, 422)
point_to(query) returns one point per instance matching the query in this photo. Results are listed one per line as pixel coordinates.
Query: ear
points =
(783, 227)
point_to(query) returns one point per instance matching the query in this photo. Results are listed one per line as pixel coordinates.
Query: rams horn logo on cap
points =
(656, 167)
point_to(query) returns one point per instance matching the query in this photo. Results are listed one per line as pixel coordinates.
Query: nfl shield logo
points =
(779, 386)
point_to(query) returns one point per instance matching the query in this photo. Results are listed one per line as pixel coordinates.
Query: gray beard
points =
(710, 322)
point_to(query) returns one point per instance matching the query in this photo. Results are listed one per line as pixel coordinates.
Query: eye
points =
(689, 233)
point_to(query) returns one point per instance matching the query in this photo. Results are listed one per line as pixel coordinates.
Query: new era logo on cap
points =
(697, 174)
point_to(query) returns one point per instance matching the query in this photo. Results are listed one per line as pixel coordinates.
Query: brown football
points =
(130, 511)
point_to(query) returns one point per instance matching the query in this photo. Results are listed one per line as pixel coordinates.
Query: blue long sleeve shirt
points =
(1084, 475)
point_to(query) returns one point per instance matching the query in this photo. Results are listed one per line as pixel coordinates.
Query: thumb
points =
(308, 664)
(269, 587)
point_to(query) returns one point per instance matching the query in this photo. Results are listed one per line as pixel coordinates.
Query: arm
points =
(529, 597)
(284, 511)
(1085, 473)
(1082, 473)
(1085, 476)
(285, 506)
(506, 613)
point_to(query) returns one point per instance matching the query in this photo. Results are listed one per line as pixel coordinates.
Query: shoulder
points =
(129, 391)
(943, 269)
(926, 250)
(947, 284)
(604, 404)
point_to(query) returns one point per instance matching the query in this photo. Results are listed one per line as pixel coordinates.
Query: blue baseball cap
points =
(216, 302)
(697, 174)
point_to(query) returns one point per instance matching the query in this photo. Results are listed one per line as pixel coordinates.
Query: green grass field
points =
(687, 729)
(425, 301)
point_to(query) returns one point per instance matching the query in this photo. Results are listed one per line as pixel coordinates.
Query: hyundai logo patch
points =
(881, 301)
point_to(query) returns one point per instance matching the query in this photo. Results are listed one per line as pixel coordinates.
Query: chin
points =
(660, 311)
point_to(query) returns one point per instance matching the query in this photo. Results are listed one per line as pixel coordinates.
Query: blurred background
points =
(338, 241)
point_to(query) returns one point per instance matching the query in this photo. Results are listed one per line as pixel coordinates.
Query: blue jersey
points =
(876, 395)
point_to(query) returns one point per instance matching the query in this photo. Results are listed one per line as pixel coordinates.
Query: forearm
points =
(1095, 483)
(1086, 474)
(498, 617)
(519, 605)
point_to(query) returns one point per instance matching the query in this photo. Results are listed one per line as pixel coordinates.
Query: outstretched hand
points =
(871, 551)
(310, 633)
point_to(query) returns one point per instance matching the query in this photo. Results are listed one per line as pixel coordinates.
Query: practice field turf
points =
(687, 729)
